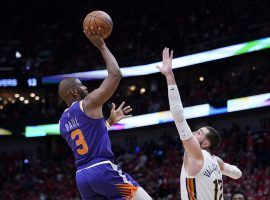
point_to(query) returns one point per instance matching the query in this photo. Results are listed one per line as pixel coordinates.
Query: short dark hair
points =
(214, 137)
(65, 85)
(238, 192)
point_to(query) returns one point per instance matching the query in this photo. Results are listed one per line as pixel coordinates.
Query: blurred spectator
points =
(238, 196)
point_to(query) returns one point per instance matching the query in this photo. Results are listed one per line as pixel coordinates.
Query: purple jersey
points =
(88, 138)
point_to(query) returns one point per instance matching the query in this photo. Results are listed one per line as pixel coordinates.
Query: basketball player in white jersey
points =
(201, 175)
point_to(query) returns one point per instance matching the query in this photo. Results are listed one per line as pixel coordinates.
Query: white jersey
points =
(206, 185)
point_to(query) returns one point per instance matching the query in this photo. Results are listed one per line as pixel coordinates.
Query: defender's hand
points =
(166, 68)
(119, 113)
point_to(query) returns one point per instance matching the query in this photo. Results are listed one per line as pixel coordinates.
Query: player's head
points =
(208, 137)
(72, 89)
(238, 196)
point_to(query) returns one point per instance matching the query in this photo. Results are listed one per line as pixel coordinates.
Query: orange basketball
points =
(98, 23)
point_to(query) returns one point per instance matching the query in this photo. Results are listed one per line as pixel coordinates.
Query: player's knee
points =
(141, 194)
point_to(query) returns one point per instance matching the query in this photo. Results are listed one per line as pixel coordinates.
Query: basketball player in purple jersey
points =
(83, 127)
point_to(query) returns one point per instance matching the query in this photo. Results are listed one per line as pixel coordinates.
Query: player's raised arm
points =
(229, 170)
(193, 151)
(99, 96)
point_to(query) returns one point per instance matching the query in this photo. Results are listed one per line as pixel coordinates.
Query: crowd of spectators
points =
(155, 165)
(50, 41)
(48, 34)
(216, 88)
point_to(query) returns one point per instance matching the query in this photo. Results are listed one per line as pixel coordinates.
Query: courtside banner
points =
(250, 102)
(204, 110)
(180, 62)
(5, 132)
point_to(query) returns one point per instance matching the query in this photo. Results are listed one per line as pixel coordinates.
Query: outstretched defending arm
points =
(229, 170)
(193, 153)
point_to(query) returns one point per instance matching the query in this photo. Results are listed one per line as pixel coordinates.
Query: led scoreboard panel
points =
(12, 82)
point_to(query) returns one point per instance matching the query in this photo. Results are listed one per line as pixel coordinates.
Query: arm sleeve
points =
(177, 111)
(231, 171)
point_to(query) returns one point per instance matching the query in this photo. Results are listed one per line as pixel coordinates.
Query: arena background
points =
(41, 39)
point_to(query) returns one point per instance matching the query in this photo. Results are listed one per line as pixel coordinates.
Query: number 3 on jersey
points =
(79, 142)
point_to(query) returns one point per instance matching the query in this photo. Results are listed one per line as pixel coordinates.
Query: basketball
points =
(98, 23)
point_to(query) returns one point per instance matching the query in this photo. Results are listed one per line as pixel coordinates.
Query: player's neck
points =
(71, 99)
(208, 150)
(70, 102)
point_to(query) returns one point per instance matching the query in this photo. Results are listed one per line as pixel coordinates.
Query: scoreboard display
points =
(12, 82)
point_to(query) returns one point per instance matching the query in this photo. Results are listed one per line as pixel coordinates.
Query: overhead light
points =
(1, 107)
(201, 78)
(27, 67)
(17, 95)
(9, 98)
(13, 101)
(21, 98)
(142, 90)
(5, 102)
(132, 88)
(25, 101)
(18, 54)
(32, 94)
(37, 98)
